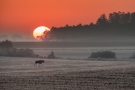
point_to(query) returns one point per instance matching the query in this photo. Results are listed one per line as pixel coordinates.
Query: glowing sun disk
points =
(39, 31)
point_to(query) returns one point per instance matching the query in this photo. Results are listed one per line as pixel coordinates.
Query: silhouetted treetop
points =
(6, 44)
(116, 24)
(102, 20)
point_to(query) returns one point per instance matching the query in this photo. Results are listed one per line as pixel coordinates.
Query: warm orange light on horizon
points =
(38, 32)
(20, 16)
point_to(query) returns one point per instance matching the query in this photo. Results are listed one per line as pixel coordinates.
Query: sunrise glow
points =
(22, 16)
(38, 32)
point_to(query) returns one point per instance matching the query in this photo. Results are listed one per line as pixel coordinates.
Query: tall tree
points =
(102, 20)
(133, 18)
(6, 46)
(114, 18)
(125, 18)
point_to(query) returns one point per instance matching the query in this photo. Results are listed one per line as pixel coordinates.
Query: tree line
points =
(116, 24)
(7, 49)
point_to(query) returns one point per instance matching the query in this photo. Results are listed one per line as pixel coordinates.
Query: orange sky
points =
(23, 16)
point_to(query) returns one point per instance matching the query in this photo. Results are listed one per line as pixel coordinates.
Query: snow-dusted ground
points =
(20, 73)
(73, 71)
(25, 66)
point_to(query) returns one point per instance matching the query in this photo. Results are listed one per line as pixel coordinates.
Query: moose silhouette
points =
(39, 62)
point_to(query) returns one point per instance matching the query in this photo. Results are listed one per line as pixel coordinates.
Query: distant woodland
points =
(116, 25)
(7, 49)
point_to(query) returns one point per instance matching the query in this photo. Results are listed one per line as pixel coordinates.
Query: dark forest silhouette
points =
(117, 24)
(7, 49)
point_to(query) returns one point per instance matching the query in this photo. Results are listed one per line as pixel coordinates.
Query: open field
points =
(21, 74)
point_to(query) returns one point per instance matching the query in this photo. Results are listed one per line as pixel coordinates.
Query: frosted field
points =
(20, 73)
(18, 65)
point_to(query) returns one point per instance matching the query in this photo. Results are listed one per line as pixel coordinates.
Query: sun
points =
(39, 32)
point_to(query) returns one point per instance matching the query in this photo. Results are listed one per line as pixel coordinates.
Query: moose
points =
(39, 62)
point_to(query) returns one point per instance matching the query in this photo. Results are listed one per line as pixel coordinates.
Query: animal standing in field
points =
(39, 62)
